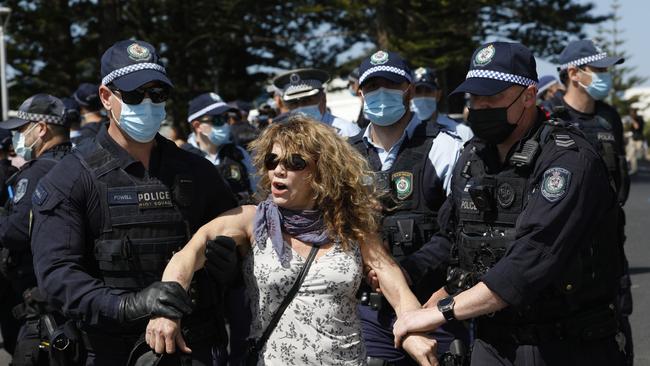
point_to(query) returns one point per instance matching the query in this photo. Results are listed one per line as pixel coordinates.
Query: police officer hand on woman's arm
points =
(479, 300)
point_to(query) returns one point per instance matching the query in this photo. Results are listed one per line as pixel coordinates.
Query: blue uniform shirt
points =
(248, 161)
(343, 128)
(442, 156)
(463, 131)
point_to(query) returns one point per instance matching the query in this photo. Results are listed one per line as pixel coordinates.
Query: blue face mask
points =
(311, 111)
(18, 141)
(424, 107)
(601, 84)
(384, 107)
(141, 121)
(220, 135)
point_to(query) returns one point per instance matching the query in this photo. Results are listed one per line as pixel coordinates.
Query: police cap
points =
(37, 108)
(425, 76)
(209, 104)
(387, 65)
(497, 66)
(300, 83)
(87, 96)
(130, 64)
(585, 52)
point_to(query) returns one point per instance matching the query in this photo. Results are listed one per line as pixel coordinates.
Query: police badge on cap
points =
(138, 53)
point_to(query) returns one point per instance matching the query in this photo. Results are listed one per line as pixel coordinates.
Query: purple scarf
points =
(306, 225)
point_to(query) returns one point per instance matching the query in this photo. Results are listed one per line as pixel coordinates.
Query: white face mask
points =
(18, 140)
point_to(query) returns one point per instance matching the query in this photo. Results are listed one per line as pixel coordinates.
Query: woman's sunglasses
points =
(157, 94)
(294, 163)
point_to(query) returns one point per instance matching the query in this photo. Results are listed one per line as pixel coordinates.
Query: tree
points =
(623, 77)
(443, 33)
(234, 46)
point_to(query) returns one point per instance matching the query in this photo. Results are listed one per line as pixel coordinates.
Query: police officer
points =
(585, 70)
(303, 92)
(413, 160)
(91, 112)
(72, 117)
(242, 132)
(425, 103)
(353, 88)
(532, 260)
(208, 118)
(109, 216)
(6, 168)
(549, 92)
(8, 298)
(41, 137)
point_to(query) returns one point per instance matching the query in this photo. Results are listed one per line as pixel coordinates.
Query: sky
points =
(634, 24)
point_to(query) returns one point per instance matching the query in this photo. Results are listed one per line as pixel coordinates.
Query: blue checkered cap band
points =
(498, 75)
(584, 60)
(129, 69)
(303, 85)
(39, 117)
(379, 68)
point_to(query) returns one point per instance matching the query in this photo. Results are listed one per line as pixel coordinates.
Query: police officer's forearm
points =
(478, 300)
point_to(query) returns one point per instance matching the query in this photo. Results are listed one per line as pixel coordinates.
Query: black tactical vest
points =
(142, 221)
(488, 206)
(232, 168)
(408, 222)
(143, 226)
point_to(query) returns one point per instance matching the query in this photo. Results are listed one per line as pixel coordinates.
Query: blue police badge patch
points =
(21, 189)
(555, 183)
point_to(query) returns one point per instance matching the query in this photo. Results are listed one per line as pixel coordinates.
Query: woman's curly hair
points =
(342, 181)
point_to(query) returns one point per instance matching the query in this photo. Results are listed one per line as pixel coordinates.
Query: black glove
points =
(167, 299)
(221, 259)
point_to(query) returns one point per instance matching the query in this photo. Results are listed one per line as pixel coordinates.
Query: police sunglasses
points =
(216, 121)
(295, 163)
(158, 94)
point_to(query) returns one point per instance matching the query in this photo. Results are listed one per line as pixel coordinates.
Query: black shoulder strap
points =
(287, 300)
(433, 129)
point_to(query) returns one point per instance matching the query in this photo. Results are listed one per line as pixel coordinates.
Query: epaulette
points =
(558, 133)
(563, 140)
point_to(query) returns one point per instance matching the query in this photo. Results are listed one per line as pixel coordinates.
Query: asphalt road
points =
(638, 252)
(637, 229)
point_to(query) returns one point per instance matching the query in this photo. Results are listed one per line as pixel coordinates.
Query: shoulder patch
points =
(21, 189)
(555, 183)
(40, 195)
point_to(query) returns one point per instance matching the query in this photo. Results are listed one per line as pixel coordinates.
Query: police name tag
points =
(122, 197)
(154, 199)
